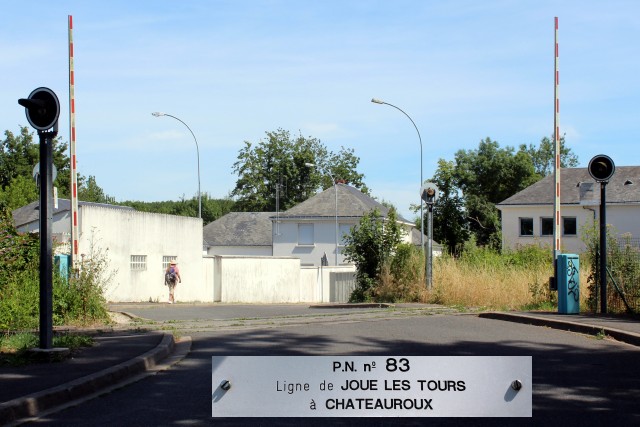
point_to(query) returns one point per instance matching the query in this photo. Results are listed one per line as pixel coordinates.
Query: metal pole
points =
(430, 247)
(46, 241)
(197, 152)
(603, 248)
(335, 190)
(378, 101)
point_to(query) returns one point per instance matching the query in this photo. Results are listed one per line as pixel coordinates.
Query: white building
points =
(527, 217)
(138, 245)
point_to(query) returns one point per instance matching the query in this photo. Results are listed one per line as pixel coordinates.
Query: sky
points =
(234, 70)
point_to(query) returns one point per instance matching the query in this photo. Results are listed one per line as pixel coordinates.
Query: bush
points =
(369, 246)
(623, 263)
(80, 300)
(403, 276)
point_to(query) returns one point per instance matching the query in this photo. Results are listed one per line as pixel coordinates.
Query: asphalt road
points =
(167, 312)
(578, 380)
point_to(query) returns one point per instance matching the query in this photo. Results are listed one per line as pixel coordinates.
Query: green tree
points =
(20, 191)
(471, 185)
(487, 176)
(20, 153)
(543, 155)
(369, 245)
(450, 224)
(212, 209)
(277, 165)
(90, 191)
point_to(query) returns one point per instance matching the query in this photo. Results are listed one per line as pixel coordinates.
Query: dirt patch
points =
(119, 318)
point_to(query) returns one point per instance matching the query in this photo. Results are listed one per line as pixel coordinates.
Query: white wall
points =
(270, 280)
(622, 218)
(124, 233)
(625, 218)
(258, 279)
(315, 282)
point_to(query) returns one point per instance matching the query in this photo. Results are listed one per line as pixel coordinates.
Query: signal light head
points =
(601, 168)
(42, 108)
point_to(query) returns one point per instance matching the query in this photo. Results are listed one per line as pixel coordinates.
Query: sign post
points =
(42, 110)
(602, 168)
(429, 194)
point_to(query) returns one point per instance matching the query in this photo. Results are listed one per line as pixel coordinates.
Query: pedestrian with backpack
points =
(171, 278)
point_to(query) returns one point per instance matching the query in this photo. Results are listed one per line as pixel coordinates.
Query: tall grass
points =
(480, 278)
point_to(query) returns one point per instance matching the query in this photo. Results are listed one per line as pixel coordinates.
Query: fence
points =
(623, 277)
(342, 286)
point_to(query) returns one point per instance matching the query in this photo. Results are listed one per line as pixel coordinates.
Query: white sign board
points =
(371, 386)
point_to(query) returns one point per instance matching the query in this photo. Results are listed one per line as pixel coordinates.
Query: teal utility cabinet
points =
(568, 284)
(63, 263)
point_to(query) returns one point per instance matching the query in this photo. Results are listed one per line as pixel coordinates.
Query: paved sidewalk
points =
(622, 328)
(33, 389)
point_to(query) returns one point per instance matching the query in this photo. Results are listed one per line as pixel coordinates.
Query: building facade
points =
(528, 216)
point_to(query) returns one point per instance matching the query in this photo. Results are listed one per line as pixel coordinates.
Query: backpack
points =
(170, 276)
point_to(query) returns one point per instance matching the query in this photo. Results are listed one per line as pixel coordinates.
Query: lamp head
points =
(377, 101)
(310, 165)
(158, 114)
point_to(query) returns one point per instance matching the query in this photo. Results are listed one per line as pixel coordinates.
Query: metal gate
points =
(341, 286)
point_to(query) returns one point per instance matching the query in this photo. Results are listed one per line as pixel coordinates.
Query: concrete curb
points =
(566, 325)
(33, 404)
(353, 305)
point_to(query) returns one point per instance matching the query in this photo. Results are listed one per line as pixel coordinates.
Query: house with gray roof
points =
(312, 231)
(240, 233)
(315, 228)
(527, 216)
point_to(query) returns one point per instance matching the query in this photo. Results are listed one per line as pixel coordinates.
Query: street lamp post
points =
(158, 114)
(335, 190)
(378, 101)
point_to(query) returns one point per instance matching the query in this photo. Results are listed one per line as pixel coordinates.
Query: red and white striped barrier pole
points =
(556, 137)
(72, 149)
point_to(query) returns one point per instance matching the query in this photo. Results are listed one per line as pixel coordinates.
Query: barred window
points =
(138, 262)
(166, 259)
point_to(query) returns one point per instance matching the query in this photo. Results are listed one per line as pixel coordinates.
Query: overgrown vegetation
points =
(479, 277)
(79, 300)
(485, 279)
(623, 278)
(370, 246)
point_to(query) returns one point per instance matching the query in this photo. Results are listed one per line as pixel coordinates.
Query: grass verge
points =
(14, 347)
